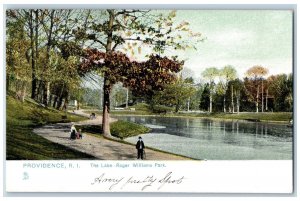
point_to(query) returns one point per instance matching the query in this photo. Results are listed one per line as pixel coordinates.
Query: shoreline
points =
(151, 148)
(98, 146)
(192, 116)
(211, 118)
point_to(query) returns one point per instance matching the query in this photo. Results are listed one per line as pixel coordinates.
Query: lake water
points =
(216, 140)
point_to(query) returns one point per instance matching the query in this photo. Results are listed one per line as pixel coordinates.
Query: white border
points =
(183, 4)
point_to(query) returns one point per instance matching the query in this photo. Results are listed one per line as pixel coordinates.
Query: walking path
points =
(101, 148)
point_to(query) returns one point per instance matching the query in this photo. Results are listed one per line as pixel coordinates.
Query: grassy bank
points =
(249, 116)
(23, 144)
(119, 129)
(282, 117)
(124, 129)
(143, 109)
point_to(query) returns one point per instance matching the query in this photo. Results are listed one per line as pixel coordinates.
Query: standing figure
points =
(140, 148)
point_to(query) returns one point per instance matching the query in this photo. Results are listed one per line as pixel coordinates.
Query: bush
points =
(124, 129)
(161, 109)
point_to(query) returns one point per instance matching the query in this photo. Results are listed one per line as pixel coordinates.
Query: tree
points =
(195, 98)
(238, 86)
(46, 30)
(141, 77)
(205, 98)
(119, 95)
(125, 30)
(77, 35)
(256, 74)
(281, 89)
(17, 61)
(29, 19)
(228, 73)
(66, 81)
(175, 94)
(210, 74)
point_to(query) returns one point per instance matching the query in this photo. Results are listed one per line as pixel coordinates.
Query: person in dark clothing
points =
(140, 148)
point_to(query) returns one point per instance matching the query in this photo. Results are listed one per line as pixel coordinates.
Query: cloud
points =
(231, 38)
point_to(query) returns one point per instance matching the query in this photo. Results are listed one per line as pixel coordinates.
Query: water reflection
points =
(235, 139)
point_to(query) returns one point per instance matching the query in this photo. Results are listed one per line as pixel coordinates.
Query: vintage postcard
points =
(149, 100)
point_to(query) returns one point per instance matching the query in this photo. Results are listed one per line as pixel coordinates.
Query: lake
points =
(216, 139)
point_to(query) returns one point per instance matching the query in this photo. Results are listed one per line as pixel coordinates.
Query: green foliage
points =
(204, 100)
(124, 129)
(195, 99)
(228, 73)
(23, 144)
(210, 74)
(281, 88)
(118, 95)
(161, 109)
(141, 106)
(175, 94)
(254, 93)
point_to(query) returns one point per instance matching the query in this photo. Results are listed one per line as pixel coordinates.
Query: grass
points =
(144, 109)
(23, 144)
(251, 116)
(124, 129)
(283, 117)
(119, 129)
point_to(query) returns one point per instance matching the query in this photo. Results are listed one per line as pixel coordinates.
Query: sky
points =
(241, 38)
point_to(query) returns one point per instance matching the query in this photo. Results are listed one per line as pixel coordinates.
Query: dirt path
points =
(101, 148)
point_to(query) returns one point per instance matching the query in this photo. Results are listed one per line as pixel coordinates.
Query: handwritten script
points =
(121, 182)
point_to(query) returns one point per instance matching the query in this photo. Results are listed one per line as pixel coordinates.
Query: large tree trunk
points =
(60, 97)
(107, 86)
(33, 59)
(39, 95)
(46, 88)
(46, 93)
(106, 108)
(33, 85)
(34, 90)
(55, 101)
(59, 103)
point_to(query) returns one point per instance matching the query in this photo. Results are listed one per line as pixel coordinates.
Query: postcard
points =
(149, 100)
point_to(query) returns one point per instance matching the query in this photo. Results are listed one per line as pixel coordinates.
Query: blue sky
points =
(242, 38)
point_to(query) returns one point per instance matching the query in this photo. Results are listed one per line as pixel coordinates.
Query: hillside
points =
(23, 144)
